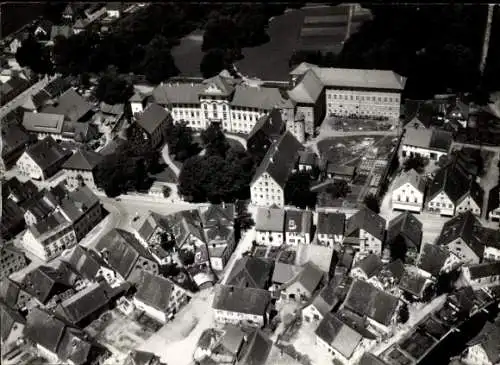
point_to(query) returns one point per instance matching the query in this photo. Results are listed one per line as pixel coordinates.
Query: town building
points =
(42, 159)
(138, 103)
(483, 348)
(491, 240)
(266, 131)
(159, 297)
(12, 260)
(251, 272)
(429, 143)
(72, 105)
(367, 268)
(257, 349)
(414, 283)
(308, 160)
(115, 9)
(269, 226)
(485, 274)
(407, 229)
(357, 93)
(13, 295)
(125, 254)
(408, 192)
(75, 215)
(365, 231)
(267, 187)
(187, 229)
(241, 306)
(298, 227)
(436, 260)
(54, 125)
(14, 142)
(13, 325)
(218, 223)
(330, 229)
(80, 168)
(304, 285)
(153, 122)
(136, 357)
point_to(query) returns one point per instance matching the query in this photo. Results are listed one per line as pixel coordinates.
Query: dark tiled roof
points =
(83, 160)
(407, 226)
(44, 329)
(250, 272)
(491, 237)
(413, 282)
(370, 359)
(151, 222)
(370, 265)
(155, 291)
(433, 258)
(484, 270)
(452, 181)
(152, 117)
(57, 87)
(441, 140)
(8, 317)
(258, 349)
(224, 84)
(280, 159)
(298, 221)
(19, 191)
(465, 226)
(331, 223)
(47, 152)
(45, 281)
(367, 220)
(310, 277)
(271, 125)
(74, 347)
(83, 262)
(9, 292)
(13, 138)
(488, 339)
(122, 250)
(140, 358)
(218, 214)
(241, 300)
(70, 104)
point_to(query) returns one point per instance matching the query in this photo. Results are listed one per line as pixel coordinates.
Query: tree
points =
(298, 190)
(52, 11)
(415, 162)
(372, 203)
(221, 32)
(32, 55)
(398, 248)
(339, 189)
(404, 313)
(158, 64)
(213, 62)
(113, 89)
(214, 140)
(186, 257)
(166, 190)
(167, 240)
(179, 138)
(84, 79)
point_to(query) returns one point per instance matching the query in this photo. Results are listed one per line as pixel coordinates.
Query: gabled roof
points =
(433, 258)
(271, 124)
(298, 221)
(9, 292)
(331, 223)
(122, 251)
(46, 281)
(475, 192)
(280, 159)
(155, 291)
(465, 226)
(242, 300)
(484, 270)
(433, 139)
(184, 224)
(413, 282)
(78, 202)
(45, 25)
(370, 265)
(258, 97)
(250, 272)
(310, 277)
(270, 219)
(487, 338)
(70, 104)
(13, 138)
(367, 220)
(179, 93)
(257, 350)
(407, 226)
(152, 117)
(332, 294)
(283, 273)
(81, 260)
(370, 359)
(149, 225)
(8, 317)
(83, 160)
(452, 181)
(308, 89)
(224, 85)
(75, 347)
(137, 357)
(116, 109)
(18, 191)
(412, 177)
(47, 152)
(219, 214)
(44, 329)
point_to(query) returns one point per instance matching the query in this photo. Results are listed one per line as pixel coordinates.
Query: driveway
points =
(168, 160)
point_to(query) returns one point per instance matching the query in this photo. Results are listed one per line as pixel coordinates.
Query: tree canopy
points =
(298, 190)
(214, 140)
(179, 138)
(213, 62)
(372, 202)
(415, 162)
(33, 55)
(113, 89)
(158, 64)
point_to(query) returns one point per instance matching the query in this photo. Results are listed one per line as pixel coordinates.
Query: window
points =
(206, 115)
(205, 106)
(225, 115)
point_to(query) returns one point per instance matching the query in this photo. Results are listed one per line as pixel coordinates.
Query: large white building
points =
(358, 93)
(428, 143)
(408, 192)
(268, 185)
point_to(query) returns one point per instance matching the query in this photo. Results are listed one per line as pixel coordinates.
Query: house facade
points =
(365, 231)
(80, 168)
(11, 261)
(330, 229)
(298, 227)
(482, 275)
(408, 192)
(269, 226)
(428, 143)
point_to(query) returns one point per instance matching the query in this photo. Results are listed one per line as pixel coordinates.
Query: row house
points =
(452, 192)
(408, 191)
(81, 167)
(267, 187)
(355, 92)
(298, 227)
(365, 232)
(429, 143)
(330, 229)
(482, 275)
(218, 224)
(269, 226)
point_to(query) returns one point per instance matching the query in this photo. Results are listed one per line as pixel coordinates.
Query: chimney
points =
(269, 213)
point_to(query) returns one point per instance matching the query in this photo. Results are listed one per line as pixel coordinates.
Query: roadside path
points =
(166, 157)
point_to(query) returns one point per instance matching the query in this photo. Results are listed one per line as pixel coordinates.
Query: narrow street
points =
(168, 160)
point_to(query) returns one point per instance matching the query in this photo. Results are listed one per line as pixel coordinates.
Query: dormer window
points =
(291, 225)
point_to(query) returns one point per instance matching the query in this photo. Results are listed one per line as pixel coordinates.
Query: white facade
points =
(113, 13)
(407, 197)
(297, 128)
(369, 244)
(178, 298)
(73, 178)
(364, 345)
(463, 251)
(297, 238)
(238, 318)
(491, 253)
(475, 355)
(308, 112)
(60, 239)
(265, 192)
(468, 204)
(137, 107)
(379, 103)
(28, 167)
(311, 314)
(431, 154)
(330, 240)
(441, 204)
(269, 238)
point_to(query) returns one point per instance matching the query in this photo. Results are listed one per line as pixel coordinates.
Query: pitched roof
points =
(365, 299)
(433, 139)
(152, 117)
(413, 282)
(367, 220)
(9, 292)
(407, 226)
(46, 281)
(44, 329)
(122, 250)
(116, 109)
(332, 294)
(257, 350)
(330, 223)
(149, 224)
(70, 104)
(465, 226)
(78, 202)
(155, 291)
(433, 258)
(370, 265)
(83, 160)
(178, 93)
(484, 270)
(310, 277)
(136, 357)
(308, 89)
(184, 224)
(412, 177)
(280, 159)
(283, 273)
(18, 191)
(74, 346)
(47, 152)
(250, 272)
(219, 214)
(258, 97)
(298, 221)
(81, 260)
(8, 317)
(223, 85)
(270, 219)
(13, 138)
(451, 181)
(370, 359)
(61, 30)
(242, 300)
(487, 338)
(271, 124)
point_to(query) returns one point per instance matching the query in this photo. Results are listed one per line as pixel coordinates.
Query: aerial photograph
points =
(249, 183)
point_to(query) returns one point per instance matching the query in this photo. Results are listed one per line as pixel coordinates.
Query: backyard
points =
(354, 125)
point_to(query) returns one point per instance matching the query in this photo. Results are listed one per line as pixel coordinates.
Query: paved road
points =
(479, 147)
(168, 160)
(239, 139)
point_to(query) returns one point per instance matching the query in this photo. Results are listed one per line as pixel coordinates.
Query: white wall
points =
(441, 204)
(407, 197)
(265, 191)
(468, 204)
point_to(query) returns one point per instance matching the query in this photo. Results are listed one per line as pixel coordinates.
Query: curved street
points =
(168, 160)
